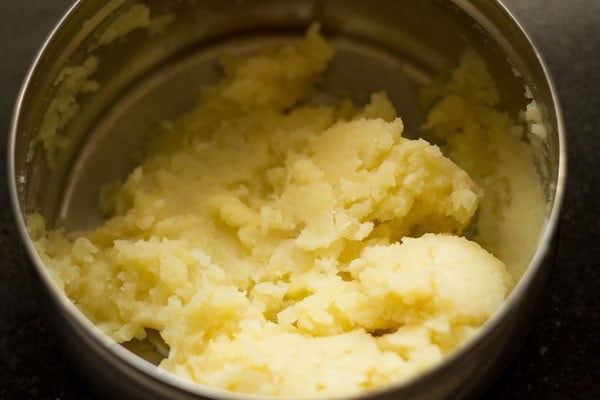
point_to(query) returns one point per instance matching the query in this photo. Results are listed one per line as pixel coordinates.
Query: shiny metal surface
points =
(396, 46)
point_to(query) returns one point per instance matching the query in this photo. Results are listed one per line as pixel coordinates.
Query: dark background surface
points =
(561, 355)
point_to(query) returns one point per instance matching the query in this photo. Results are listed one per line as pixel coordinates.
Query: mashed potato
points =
(287, 249)
(488, 144)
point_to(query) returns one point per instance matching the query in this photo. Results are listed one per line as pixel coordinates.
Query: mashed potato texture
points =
(282, 248)
(487, 143)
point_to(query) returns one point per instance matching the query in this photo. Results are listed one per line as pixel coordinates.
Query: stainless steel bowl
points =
(396, 46)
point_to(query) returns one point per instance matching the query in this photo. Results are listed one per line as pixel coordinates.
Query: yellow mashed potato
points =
(295, 250)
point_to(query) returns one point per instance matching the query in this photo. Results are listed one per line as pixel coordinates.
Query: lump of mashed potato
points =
(285, 249)
(488, 144)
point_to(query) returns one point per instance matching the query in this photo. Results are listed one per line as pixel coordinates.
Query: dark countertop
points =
(561, 355)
